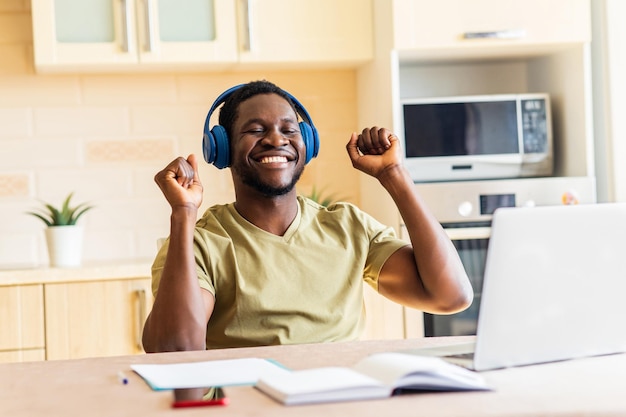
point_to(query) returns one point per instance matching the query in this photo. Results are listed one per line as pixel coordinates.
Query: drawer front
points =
(22, 317)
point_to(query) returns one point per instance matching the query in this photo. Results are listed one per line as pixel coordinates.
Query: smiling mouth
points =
(273, 159)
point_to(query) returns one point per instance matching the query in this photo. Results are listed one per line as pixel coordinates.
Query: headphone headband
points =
(215, 143)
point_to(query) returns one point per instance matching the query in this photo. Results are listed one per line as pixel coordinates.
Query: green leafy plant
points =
(63, 216)
(320, 198)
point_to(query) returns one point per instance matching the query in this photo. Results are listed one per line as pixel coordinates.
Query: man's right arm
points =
(181, 308)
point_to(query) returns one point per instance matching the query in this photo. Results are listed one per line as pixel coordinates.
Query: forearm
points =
(443, 285)
(179, 315)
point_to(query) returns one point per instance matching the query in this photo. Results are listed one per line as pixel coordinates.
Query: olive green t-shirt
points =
(303, 287)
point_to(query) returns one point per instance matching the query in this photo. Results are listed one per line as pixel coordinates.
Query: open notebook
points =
(554, 287)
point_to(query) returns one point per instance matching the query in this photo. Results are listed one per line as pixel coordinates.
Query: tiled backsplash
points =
(104, 137)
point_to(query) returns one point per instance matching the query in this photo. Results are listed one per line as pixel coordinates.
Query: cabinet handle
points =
(496, 34)
(148, 20)
(142, 315)
(247, 25)
(125, 24)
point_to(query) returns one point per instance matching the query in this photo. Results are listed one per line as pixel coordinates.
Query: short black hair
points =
(230, 109)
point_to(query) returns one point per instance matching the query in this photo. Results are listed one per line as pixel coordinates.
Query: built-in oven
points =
(470, 240)
(465, 209)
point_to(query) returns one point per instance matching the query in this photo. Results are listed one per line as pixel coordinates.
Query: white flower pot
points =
(65, 245)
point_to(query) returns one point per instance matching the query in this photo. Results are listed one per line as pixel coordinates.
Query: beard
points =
(267, 190)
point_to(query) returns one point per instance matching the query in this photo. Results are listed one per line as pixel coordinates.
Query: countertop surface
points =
(80, 387)
(30, 274)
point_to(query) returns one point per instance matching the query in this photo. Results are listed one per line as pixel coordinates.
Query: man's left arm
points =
(428, 274)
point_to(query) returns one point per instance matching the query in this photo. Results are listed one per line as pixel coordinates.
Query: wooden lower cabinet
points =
(384, 318)
(70, 320)
(21, 323)
(96, 318)
(388, 320)
(23, 355)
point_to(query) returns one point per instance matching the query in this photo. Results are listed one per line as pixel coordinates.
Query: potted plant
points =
(64, 237)
(320, 198)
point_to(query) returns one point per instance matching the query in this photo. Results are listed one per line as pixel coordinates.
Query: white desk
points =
(89, 387)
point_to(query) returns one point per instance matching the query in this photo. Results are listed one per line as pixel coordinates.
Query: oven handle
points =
(468, 233)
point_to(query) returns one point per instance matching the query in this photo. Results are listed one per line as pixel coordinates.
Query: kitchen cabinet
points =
(99, 318)
(307, 31)
(422, 52)
(90, 311)
(22, 323)
(412, 67)
(384, 318)
(609, 89)
(63, 313)
(121, 34)
(479, 24)
(140, 35)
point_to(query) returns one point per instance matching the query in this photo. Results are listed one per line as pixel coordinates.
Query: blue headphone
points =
(215, 145)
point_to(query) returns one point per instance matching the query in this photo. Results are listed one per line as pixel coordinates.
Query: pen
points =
(122, 378)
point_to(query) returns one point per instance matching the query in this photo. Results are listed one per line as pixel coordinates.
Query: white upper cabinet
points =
(101, 34)
(481, 24)
(109, 34)
(315, 31)
(116, 35)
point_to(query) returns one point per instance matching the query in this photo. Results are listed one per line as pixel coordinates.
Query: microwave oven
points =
(477, 137)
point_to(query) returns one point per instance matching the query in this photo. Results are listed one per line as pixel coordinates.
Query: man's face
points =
(268, 152)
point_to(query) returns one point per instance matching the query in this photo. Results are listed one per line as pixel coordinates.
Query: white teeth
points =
(272, 159)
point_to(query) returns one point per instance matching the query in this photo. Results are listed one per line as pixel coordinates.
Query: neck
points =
(272, 214)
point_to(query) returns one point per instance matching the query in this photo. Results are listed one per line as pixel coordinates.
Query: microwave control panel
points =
(534, 114)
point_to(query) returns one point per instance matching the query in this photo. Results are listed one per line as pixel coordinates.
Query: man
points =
(276, 268)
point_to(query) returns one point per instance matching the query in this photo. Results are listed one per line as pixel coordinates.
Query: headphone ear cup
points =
(208, 146)
(222, 148)
(316, 142)
(215, 146)
(308, 137)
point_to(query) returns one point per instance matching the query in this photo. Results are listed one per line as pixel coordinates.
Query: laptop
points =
(554, 288)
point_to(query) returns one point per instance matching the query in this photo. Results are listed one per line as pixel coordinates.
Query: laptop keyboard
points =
(468, 355)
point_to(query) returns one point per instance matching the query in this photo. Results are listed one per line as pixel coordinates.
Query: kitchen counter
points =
(109, 270)
(581, 387)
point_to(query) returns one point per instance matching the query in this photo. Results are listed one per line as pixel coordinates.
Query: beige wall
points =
(105, 136)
